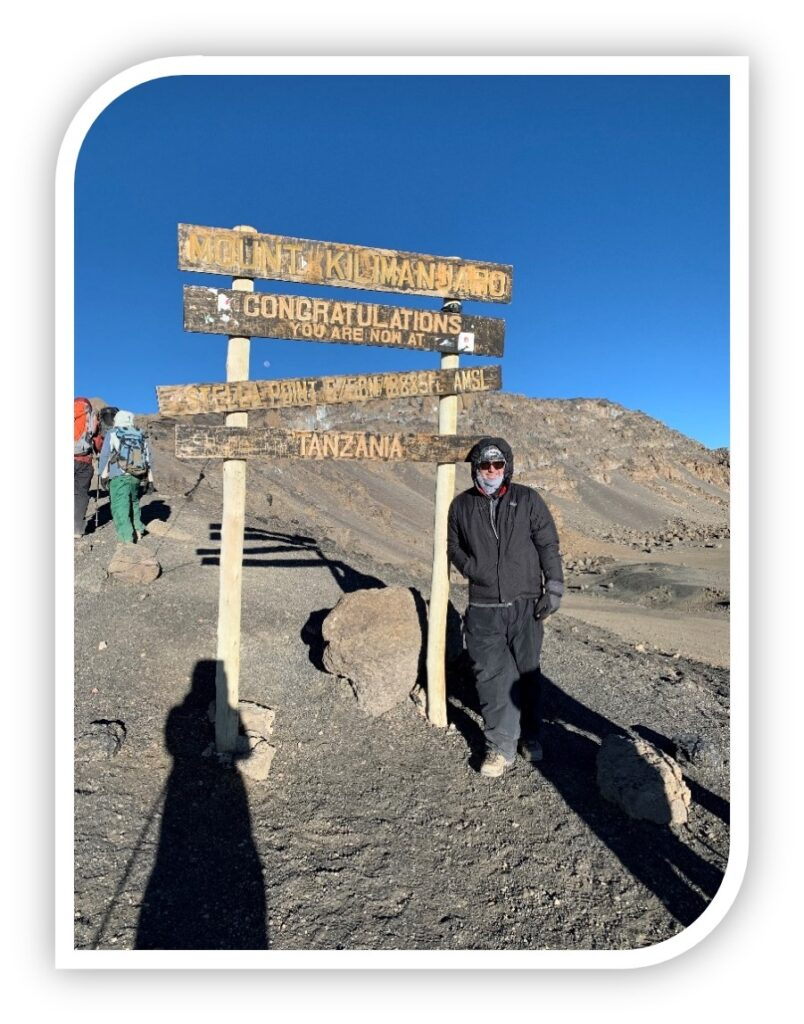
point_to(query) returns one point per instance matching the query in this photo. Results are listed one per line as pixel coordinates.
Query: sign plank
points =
(281, 258)
(250, 442)
(302, 318)
(190, 399)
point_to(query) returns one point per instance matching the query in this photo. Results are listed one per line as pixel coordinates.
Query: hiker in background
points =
(502, 537)
(125, 463)
(87, 442)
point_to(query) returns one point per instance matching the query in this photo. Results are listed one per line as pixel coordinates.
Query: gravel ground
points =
(369, 833)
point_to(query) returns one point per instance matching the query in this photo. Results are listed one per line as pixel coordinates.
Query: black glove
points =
(550, 601)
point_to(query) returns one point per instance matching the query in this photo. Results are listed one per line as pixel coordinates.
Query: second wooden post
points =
(227, 669)
(439, 589)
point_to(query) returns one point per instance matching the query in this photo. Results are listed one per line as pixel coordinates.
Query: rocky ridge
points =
(609, 474)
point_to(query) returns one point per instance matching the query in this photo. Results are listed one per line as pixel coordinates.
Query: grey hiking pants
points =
(504, 646)
(82, 478)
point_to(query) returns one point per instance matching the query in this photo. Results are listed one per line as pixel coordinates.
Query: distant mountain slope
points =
(608, 473)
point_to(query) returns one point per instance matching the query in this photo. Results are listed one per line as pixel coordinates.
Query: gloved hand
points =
(550, 601)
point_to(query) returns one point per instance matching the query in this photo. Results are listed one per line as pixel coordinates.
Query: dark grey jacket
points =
(515, 561)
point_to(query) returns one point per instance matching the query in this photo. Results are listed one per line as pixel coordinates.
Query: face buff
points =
(489, 487)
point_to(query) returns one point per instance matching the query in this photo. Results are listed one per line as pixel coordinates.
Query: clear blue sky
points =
(608, 195)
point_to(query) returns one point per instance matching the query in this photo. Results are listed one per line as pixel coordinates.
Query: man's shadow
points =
(654, 854)
(207, 888)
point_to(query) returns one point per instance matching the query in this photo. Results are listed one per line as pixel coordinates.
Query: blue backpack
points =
(132, 454)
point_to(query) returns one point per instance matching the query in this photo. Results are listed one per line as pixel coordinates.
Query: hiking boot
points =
(494, 764)
(531, 750)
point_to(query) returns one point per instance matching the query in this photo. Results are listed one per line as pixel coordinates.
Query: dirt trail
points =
(703, 638)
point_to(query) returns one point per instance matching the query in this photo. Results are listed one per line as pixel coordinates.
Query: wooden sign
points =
(246, 442)
(279, 258)
(301, 318)
(190, 399)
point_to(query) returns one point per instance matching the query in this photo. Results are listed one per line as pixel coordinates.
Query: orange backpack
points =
(86, 426)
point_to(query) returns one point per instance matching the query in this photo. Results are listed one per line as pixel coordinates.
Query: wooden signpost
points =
(192, 399)
(247, 443)
(279, 258)
(227, 664)
(302, 318)
(240, 313)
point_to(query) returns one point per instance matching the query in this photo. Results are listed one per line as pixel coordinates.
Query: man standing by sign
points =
(502, 537)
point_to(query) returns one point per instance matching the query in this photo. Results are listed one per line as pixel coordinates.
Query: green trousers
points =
(124, 496)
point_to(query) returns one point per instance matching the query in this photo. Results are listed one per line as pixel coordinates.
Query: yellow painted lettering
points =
(497, 284)
(425, 275)
(294, 251)
(388, 269)
(199, 248)
(406, 274)
(334, 265)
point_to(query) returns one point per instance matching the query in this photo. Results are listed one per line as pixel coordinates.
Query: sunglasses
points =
(496, 464)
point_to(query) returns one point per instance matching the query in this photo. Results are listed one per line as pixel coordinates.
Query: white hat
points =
(124, 419)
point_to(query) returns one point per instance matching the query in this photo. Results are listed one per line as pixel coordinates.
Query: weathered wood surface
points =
(439, 585)
(277, 257)
(191, 399)
(303, 318)
(196, 442)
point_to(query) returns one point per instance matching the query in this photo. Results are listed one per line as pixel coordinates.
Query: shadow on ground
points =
(571, 735)
(207, 887)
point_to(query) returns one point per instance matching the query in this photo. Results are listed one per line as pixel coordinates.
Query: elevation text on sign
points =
(234, 396)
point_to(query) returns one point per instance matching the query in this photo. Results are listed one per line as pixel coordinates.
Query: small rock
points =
(642, 781)
(257, 764)
(134, 563)
(419, 697)
(102, 645)
(693, 748)
(256, 719)
(103, 739)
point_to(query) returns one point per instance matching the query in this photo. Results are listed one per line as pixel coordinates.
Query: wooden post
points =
(227, 673)
(439, 589)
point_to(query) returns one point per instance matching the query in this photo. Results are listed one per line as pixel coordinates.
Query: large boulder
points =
(375, 639)
(642, 780)
(134, 563)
